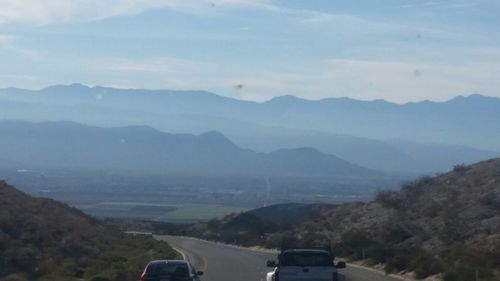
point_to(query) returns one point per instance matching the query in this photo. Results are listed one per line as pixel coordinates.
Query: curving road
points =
(228, 263)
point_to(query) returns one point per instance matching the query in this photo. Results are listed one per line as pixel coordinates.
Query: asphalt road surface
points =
(227, 263)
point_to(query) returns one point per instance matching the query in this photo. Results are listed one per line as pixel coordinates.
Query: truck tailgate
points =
(313, 273)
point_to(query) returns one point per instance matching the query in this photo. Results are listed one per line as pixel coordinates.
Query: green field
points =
(158, 211)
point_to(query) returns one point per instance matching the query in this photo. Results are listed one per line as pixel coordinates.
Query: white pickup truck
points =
(305, 265)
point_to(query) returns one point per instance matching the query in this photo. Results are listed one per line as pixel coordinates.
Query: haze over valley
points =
(92, 145)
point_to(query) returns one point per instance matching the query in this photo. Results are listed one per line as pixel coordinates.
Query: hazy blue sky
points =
(399, 50)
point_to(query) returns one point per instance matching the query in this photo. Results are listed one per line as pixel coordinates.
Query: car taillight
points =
(335, 276)
(276, 276)
(143, 275)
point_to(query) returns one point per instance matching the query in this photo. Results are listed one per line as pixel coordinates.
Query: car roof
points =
(169, 261)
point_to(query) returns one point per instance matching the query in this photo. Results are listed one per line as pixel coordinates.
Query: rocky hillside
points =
(287, 213)
(248, 228)
(41, 239)
(447, 224)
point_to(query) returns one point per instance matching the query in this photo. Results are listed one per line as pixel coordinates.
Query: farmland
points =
(158, 211)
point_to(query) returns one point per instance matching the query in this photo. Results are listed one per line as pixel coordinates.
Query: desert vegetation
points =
(42, 239)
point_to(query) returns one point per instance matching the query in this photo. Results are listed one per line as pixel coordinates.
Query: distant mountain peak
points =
(72, 88)
(212, 134)
(299, 150)
(290, 99)
(79, 85)
(472, 97)
(216, 136)
(285, 99)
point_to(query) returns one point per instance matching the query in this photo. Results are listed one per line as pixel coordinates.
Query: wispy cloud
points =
(29, 53)
(156, 65)
(443, 4)
(265, 45)
(50, 11)
(363, 79)
(6, 39)
(411, 81)
(8, 43)
(21, 77)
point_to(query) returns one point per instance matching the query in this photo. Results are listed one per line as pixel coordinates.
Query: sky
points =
(398, 50)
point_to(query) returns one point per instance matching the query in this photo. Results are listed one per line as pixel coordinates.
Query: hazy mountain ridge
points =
(283, 122)
(67, 144)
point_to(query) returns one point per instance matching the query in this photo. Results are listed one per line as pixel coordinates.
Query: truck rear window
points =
(306, 259)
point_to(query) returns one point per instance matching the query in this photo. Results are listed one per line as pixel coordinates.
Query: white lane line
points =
(184, 257)
(180, 252)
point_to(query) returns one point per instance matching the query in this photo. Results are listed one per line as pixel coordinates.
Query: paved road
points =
(226, 263)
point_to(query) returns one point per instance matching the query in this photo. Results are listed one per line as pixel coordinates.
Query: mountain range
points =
(375, 134)
(141, 148)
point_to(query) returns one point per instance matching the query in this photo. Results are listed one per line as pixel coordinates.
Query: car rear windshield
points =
(169, 268)
(306, 259)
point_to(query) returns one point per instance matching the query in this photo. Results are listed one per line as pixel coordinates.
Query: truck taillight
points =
(335, 276)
